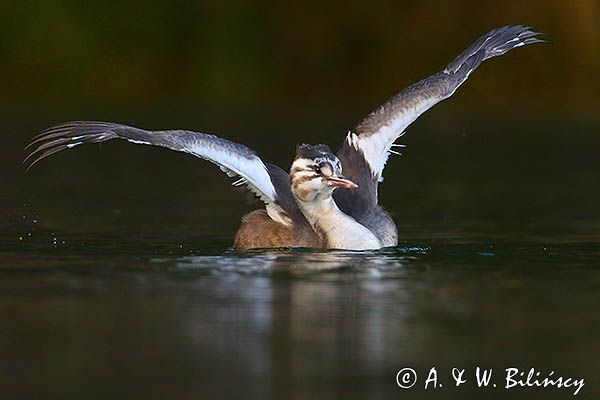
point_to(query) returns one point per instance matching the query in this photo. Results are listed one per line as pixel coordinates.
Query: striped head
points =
(316, 172)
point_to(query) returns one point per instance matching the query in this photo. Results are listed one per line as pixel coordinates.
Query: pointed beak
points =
(340, 181)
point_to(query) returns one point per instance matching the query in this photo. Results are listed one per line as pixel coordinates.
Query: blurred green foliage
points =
(137, 55)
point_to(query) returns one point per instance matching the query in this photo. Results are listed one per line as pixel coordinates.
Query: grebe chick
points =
(326, 200)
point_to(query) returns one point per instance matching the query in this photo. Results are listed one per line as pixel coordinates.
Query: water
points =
(117, 278)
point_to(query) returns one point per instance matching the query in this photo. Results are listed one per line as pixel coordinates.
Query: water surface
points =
(117, 278)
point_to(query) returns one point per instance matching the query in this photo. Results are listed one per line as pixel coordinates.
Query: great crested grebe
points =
(326, 200)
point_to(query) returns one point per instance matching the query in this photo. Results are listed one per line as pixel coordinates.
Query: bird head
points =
(316, 172)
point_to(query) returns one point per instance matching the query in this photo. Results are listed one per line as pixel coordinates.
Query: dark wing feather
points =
(374, 137)
(232, 158)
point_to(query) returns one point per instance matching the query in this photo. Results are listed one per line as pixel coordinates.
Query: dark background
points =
(65, 57)
(272, 75)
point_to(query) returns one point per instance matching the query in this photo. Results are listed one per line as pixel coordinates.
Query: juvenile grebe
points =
(314, 205)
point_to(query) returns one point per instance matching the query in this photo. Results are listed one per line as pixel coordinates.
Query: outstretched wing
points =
(234, 159)
(376, 134)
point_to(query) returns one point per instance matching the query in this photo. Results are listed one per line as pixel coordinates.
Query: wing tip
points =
(65, 135)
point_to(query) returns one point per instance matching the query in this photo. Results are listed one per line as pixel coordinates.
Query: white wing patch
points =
(252, 171)
(377, 146)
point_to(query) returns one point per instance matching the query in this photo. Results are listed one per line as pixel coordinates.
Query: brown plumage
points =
(259, 231)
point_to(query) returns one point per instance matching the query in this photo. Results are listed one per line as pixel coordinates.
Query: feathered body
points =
(313, 205)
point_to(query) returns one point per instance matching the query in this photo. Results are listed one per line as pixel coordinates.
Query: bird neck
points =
(340, 230)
